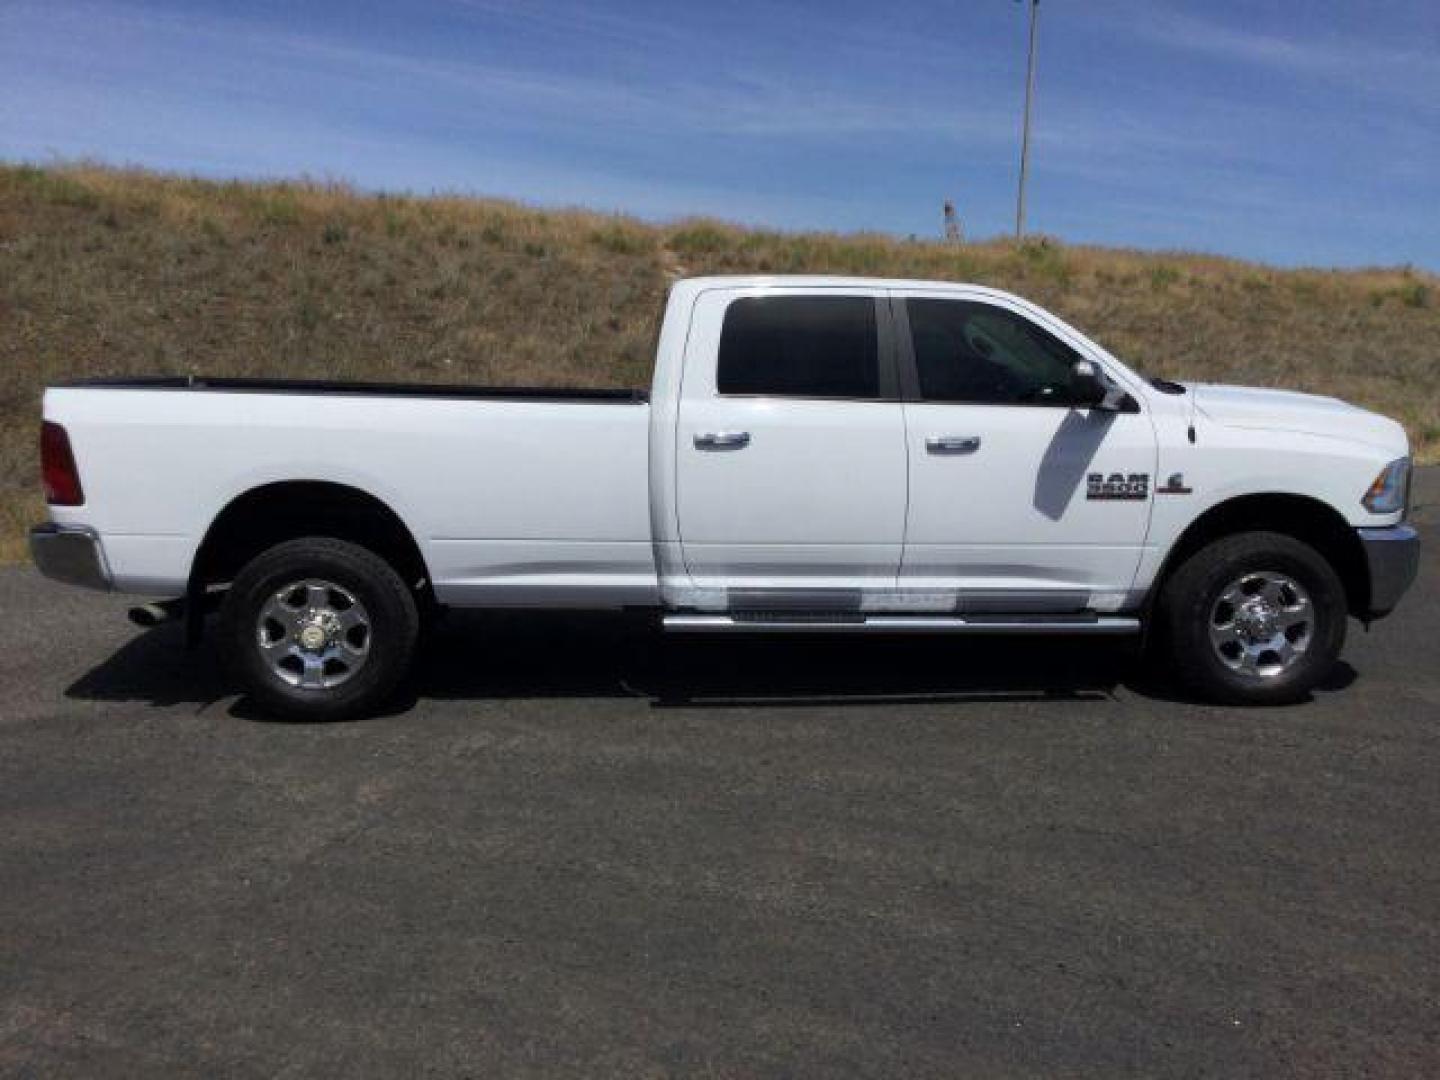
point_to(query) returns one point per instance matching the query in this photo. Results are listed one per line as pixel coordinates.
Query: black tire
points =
(392, 627)
(1188, 604)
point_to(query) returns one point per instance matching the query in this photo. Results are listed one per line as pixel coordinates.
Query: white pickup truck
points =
(816, 454)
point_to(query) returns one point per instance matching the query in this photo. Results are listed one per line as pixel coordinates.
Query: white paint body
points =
(602, 504)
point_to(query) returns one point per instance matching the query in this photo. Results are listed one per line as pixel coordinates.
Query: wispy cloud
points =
(1410, 71)
(740, 101)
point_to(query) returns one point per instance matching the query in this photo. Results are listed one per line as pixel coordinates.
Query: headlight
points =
(1388, 493)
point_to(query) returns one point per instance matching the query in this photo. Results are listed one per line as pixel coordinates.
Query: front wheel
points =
(318, 629)
(1256, 618)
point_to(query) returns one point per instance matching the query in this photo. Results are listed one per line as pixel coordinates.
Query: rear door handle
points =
(722, 440)
(952, 444)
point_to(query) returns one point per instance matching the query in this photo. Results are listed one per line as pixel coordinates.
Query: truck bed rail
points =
(226, 384)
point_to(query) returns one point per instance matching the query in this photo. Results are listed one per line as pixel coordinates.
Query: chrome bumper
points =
(70, 553)
(1393, 556)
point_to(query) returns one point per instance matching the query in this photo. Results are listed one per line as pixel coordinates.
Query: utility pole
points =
(1025, 130)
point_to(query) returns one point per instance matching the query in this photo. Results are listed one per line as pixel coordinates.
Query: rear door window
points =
(800, 346)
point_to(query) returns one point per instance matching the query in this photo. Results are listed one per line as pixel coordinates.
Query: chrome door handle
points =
(952, 444)
(722, 440)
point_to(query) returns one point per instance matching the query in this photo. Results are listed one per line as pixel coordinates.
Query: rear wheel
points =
(318, 629)
(1256, 618)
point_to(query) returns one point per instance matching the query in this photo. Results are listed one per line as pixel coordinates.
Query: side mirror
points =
(1090, 390)
(1086, 388)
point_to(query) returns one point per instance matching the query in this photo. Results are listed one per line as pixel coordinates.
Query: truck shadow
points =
(524, 656)
(500, 656)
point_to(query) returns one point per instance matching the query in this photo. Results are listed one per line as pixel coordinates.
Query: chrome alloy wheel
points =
(314, 634)
(1262, 624)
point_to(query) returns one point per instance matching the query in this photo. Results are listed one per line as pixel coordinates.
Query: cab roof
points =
(827, 281)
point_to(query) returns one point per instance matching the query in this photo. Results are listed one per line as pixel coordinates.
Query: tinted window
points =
(800, 346)
(968, 351)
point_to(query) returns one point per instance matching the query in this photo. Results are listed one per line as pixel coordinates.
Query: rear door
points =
(791, 448)
(1019, 500)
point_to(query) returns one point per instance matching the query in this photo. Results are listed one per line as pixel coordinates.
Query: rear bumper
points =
(70, 553)
(1393, 556)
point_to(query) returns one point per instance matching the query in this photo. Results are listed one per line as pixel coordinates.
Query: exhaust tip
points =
(148, 615)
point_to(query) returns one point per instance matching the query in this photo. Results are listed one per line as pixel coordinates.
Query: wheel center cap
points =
(313, 637)
(1257, 621)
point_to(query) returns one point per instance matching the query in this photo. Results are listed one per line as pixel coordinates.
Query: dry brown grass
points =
(106, 271)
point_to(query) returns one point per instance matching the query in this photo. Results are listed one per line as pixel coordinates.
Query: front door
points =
(1019, 501)
(790, 449)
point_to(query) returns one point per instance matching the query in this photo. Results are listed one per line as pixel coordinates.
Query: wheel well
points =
(1307, 520)
(269, 515)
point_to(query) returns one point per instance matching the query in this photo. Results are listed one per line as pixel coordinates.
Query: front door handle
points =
(722, 440)
(952, 444)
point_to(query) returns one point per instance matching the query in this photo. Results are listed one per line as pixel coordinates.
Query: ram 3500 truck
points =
(816, 454)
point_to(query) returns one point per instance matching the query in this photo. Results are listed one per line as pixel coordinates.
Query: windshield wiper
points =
(1165, 386)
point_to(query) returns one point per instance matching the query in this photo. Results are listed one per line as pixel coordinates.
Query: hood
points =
(1288, 410)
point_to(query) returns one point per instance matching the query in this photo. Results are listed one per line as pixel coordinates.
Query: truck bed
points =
(515, 496)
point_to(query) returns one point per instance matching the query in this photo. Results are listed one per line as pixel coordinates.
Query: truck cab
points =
(925, 450)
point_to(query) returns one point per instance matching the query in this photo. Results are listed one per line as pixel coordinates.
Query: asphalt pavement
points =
(578, 849)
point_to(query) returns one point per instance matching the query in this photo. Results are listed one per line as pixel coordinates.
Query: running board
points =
(776, 622)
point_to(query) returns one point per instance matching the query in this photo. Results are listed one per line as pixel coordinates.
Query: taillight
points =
(57, 467)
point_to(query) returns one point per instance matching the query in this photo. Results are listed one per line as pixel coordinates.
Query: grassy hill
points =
(107, 271)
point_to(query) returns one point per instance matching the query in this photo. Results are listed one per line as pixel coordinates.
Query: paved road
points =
(581, 851)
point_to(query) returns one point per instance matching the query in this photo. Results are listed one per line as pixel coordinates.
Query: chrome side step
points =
(773, 623)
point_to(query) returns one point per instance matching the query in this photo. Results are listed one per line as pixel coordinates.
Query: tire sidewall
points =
(393, 619)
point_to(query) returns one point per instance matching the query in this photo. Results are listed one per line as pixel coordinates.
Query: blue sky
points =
(1296, 132)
